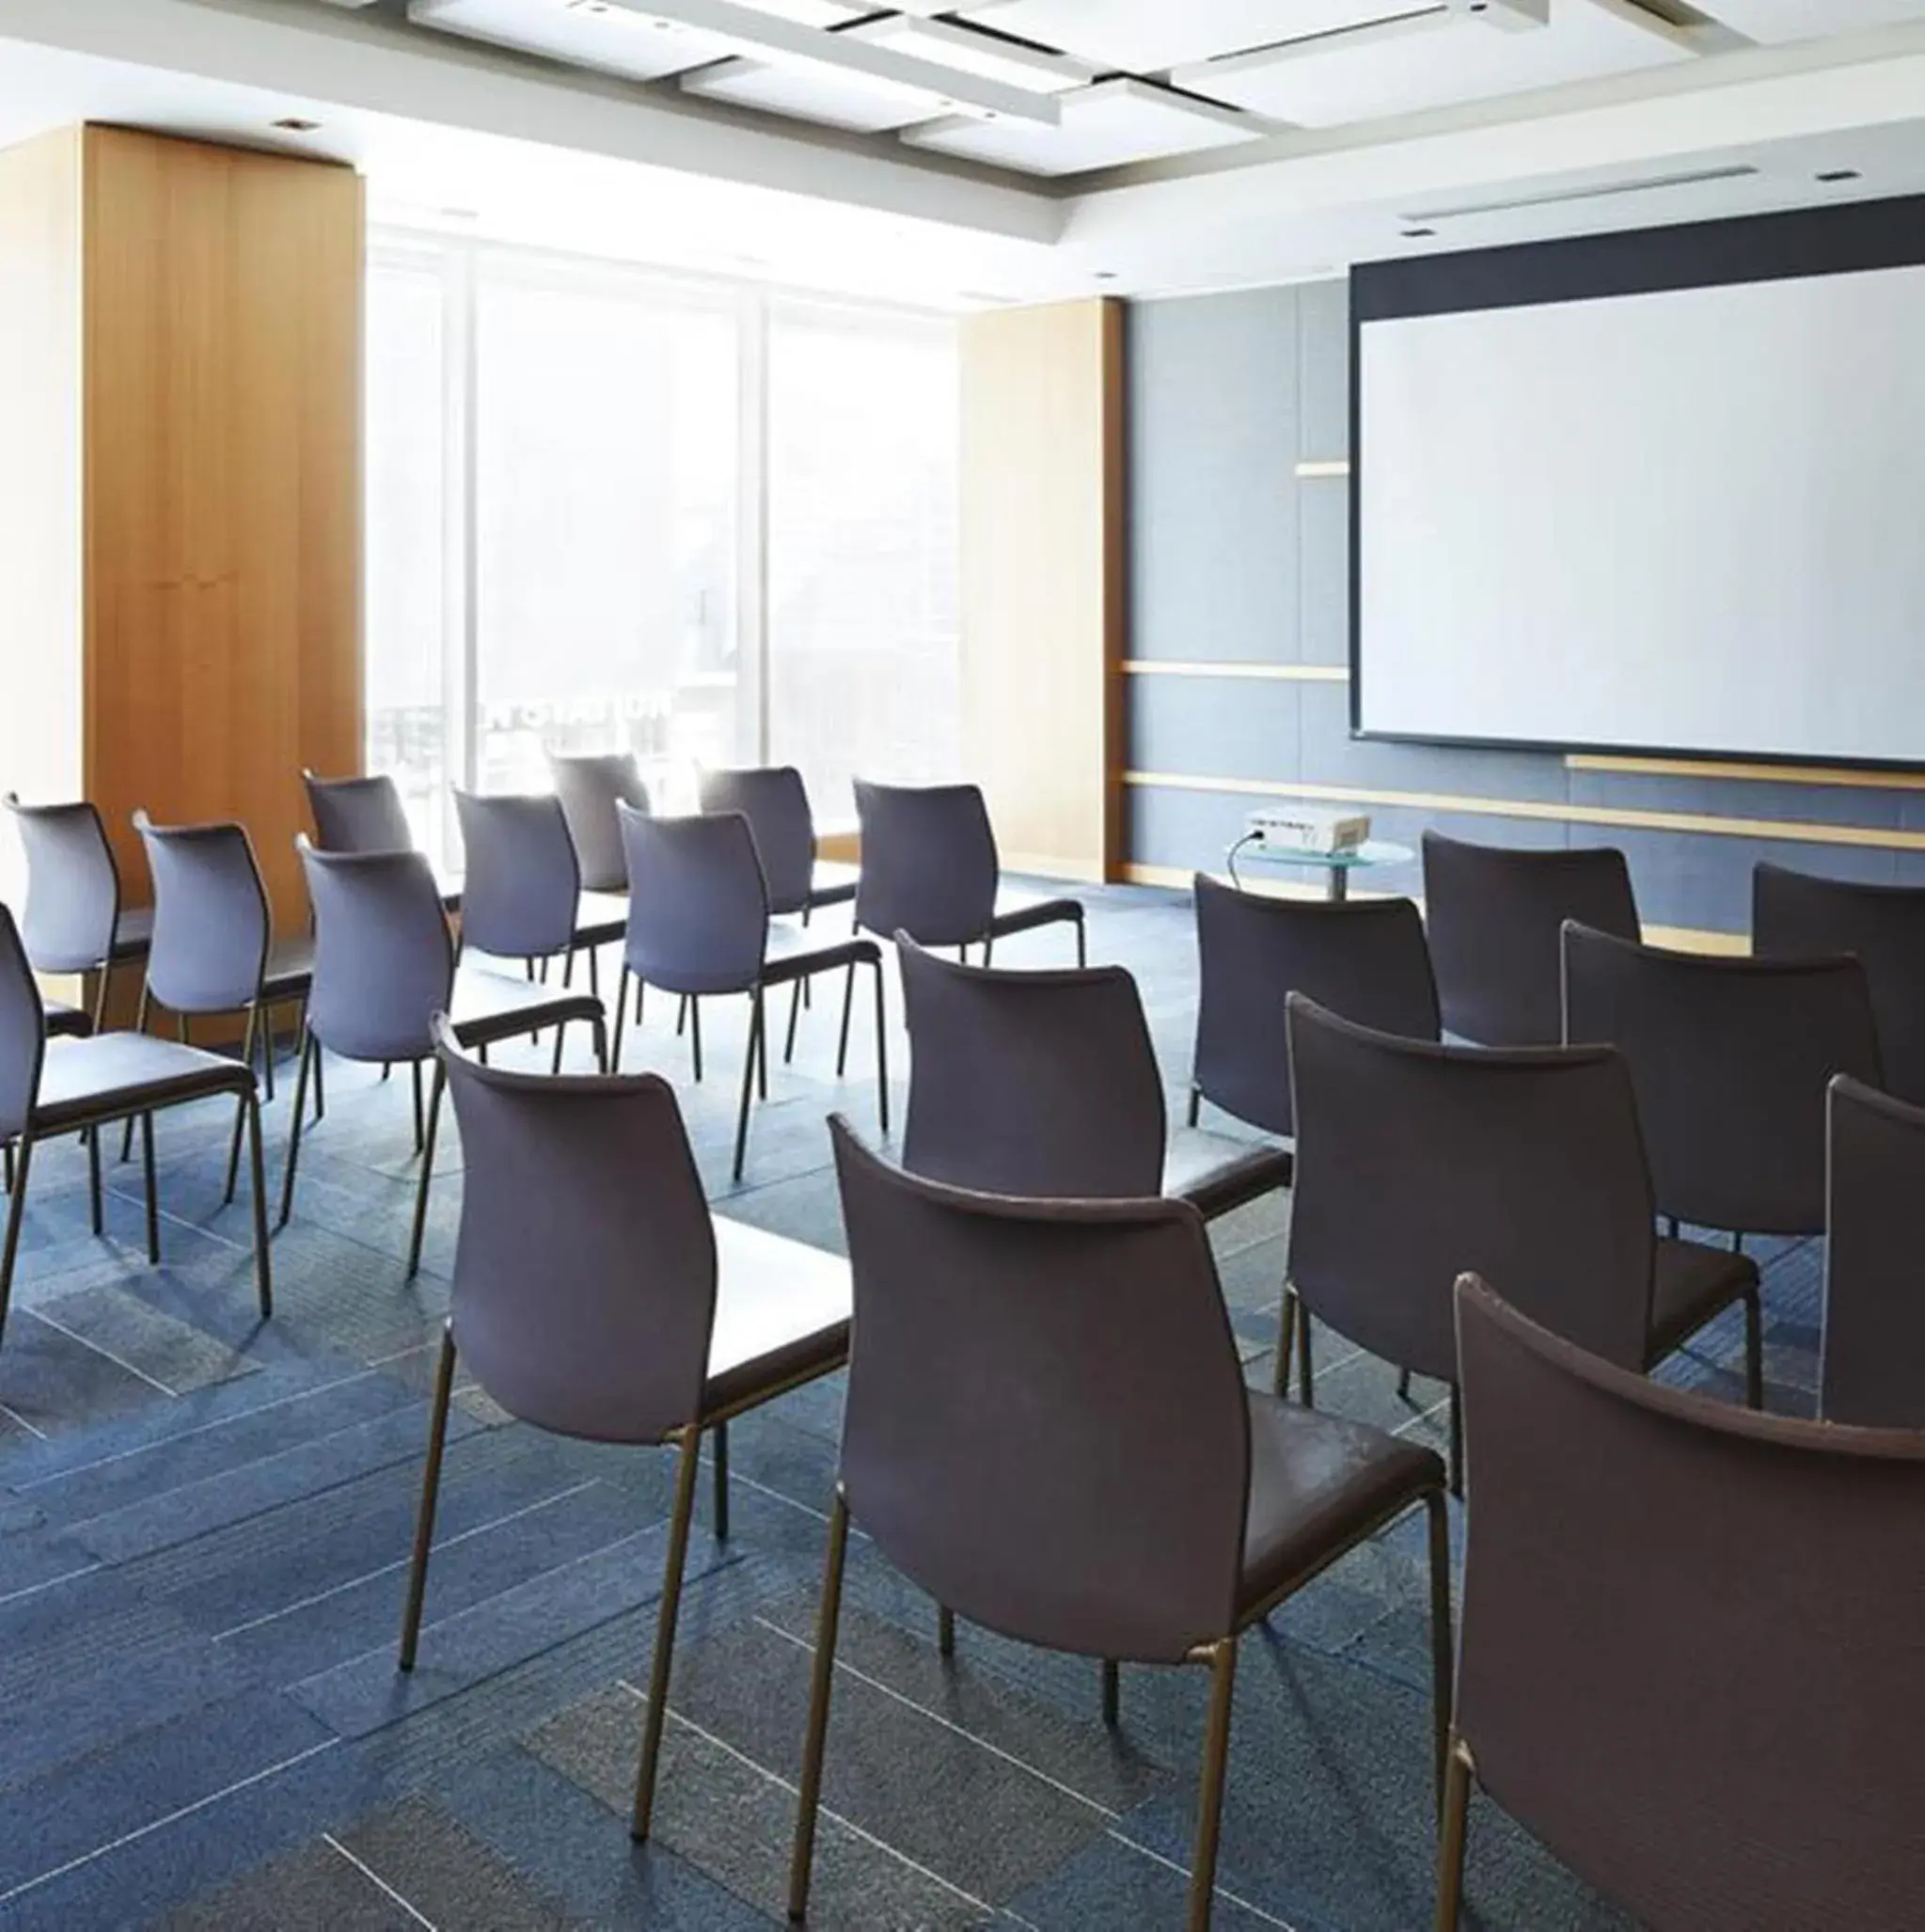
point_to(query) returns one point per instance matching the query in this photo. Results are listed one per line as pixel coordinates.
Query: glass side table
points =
(1336, 868)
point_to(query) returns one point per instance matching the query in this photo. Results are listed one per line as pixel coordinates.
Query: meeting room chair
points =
(73, 921)
(930, 869)
(358, 814)
(1418, 1161)
(384, 968)
(1494, 914)
(1872, 1359)
(698, 925)
(1365, 958)
(1689, 1651)
(1796, 915)
(1046, 1426)
(49, 1087)
(595, 1296)
(775, 801)
(1730, 1058)
(590, 785)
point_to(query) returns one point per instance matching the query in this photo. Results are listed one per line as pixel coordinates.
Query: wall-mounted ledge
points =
(1327, 466)
(1288, 673)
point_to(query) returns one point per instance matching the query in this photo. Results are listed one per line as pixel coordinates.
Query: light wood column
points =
(1043, 582)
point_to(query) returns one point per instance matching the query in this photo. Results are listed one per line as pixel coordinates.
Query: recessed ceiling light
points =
(293, 124)
(1415, 234)
(1836, 174)
(1105, 275)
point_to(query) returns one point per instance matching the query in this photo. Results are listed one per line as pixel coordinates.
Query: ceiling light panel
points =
(1433, 61)
(1804, 20)
(835, 98)
(1114, 122)
(1147, 36)
(969, 50)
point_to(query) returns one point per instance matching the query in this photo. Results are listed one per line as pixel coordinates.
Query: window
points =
(613, 512)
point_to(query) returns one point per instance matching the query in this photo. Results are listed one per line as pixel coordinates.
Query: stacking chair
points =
(1417, 1162)
(1048, 1426)
(930, 869)
(358, 814)
(1730, 1058)
(1689, 1655)
(590, 786)
(383, 967)
(593, 1295)
(698, 925)
(1364, 958)
(1872, 1362)
(49, 1087)
(775, 801)
(1493, 913)
(74, 920)
(1795, 915)
(522, 896)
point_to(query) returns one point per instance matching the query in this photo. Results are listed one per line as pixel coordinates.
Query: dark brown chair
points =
(1872, 1366)
(1136, 1501)
(1364, 958)
(1730, 1058)
(1796, 916)
(1689, 1658)
(594, 1296)
(1493, 913)
(589, 788)
(1417, 1162)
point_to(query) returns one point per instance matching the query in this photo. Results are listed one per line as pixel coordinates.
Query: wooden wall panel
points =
(1043, 582)
(223, 413)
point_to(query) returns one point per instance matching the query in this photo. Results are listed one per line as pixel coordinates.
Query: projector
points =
(1299, 829)
(1511, 15)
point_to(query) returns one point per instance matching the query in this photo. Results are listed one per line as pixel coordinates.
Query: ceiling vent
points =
(1462, 211)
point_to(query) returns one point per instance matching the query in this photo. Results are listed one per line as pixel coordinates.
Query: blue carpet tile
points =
(205, 1521)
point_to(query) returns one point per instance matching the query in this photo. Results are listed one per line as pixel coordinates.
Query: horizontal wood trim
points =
(1325, 466)
(1285, 674)
(1772, 774)
(1877, 838)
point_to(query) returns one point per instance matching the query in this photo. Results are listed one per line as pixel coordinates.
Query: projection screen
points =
(1591, 513)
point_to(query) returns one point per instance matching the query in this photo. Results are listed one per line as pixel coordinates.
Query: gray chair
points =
(1047, 1427)
(595, 1296)
(1417, 1162)
(1730, 1058)
(775, 801)
(590, 787)
(363, 815)
(73, 921)
(1689, 1651)
(1494, 914)
(1364, 958)
(1871, 1366)
(522, 896)
(383, 967)
(698, 925)
(59, 1086)
(930, 869)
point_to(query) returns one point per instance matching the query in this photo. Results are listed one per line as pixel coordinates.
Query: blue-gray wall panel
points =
(1214, 727)
(1323, 310)
(1323, 528)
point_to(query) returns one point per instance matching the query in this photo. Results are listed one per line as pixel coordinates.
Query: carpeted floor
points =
(204, 1521)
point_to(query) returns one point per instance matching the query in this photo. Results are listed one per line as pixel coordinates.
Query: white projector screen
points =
(1683, 520)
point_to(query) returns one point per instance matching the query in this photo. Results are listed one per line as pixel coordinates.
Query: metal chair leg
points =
(881, 1054)
(1451, 1844)
(320, 1075)
(761, 1064)
(1083, 945)
(695, 1034)
(1209, 1802)
(16, 1205)
(600, 1030)
(621, 1011)
(153, 1204)
(140, 1019)
(263, 1268)
(842, 1051)
(240, 1108)
(1195, 1104)
(1306, 1388)
(821, 1682)
(1439, 1512)
(430, 1491)
(560, 1036)
(1112, 1692)
(1457, 1442)
(10, 1167)
(749, 1067)
(93, 1183)
(101, 980)
(427, 1172)
(308, 1049)
(665, 1632)
(1754, 1352)
(719, 1443)
(945, 1631)
(1404, 1385)
(795, 992)
(1287, 1336)
(415, 1069)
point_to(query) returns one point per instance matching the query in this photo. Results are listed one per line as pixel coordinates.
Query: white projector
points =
(1302, 828)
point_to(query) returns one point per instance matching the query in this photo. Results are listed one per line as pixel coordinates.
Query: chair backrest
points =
(929, 865)
(1872, 1362)
(72, 886)
(1794, 915)
(589, 788)
(1364, 958)
(775, 801)
(698, 911)
(1493, 913)
(212, 927)
(384, 962)
(1729, 1057)
(22, 1031)
(1047, 1427)
(1417, 1162)
(1036, 1083)
(358, 814)
(584, 1287)
(1690, 1639)
(521, 884)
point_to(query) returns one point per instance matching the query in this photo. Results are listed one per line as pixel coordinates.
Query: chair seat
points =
(1216, 1172)
(796, 952)
(1692, 1283)
(65, 1021)
(833, 884)
(601, 918)
(1017, 910)
(488, 1006)
(289, 968)
(118, 1073)
(1317, 1485)
(781, 1315)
